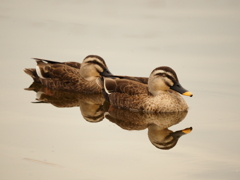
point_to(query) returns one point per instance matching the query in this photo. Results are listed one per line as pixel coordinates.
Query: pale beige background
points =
(199, 39)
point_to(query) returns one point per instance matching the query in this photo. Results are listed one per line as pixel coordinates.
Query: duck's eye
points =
(163, 75)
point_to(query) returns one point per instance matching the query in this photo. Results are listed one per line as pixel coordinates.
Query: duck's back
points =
(69, 79)
(80, 85)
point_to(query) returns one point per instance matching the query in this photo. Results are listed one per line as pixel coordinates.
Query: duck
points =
(162, 93)
(70, 76)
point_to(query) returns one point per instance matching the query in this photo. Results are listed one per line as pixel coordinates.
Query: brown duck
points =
(161, 94)
(74, 76)
(70, 76)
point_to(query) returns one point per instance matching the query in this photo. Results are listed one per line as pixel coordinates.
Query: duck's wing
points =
(48, 69)
(56, 71)
(62, 73)
(124, 86)
(143, 80)
(70, 63)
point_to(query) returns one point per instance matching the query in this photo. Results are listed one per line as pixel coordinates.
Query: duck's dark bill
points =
(106, 73)
(177, 87)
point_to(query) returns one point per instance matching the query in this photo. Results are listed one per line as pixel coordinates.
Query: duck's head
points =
(164, 78)
(92, 67)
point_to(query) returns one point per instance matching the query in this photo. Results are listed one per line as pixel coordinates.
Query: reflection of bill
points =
(157, 124)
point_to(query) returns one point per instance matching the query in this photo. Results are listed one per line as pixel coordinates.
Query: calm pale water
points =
(200, 40)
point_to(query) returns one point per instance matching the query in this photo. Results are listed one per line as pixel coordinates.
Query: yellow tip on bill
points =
(187, 130)
(187, 94)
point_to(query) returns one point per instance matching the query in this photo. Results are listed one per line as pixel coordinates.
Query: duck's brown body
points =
(136, 97)
(166, 102)
(67, 76)
(161, 94)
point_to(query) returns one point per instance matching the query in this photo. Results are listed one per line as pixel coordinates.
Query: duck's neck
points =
(156, 93)
(157, 87)
(90, 78)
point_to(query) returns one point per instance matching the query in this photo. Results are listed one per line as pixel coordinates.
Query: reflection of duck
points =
(92, 106)
(160, 95)
(70, 76)
(157, 124)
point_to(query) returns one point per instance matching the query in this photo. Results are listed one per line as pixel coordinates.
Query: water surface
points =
(200, 40)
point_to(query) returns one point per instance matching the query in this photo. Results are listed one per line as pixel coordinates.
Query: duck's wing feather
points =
(125, 86)
(32, 72)
(47, 61)
(70, 63)
(47, 69)
(60, 72)
(143, 80)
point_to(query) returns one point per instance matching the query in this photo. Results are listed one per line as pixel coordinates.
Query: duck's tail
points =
(32, 72)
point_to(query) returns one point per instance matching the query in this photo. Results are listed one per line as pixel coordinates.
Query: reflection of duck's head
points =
(92, 112)
(165, 138)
